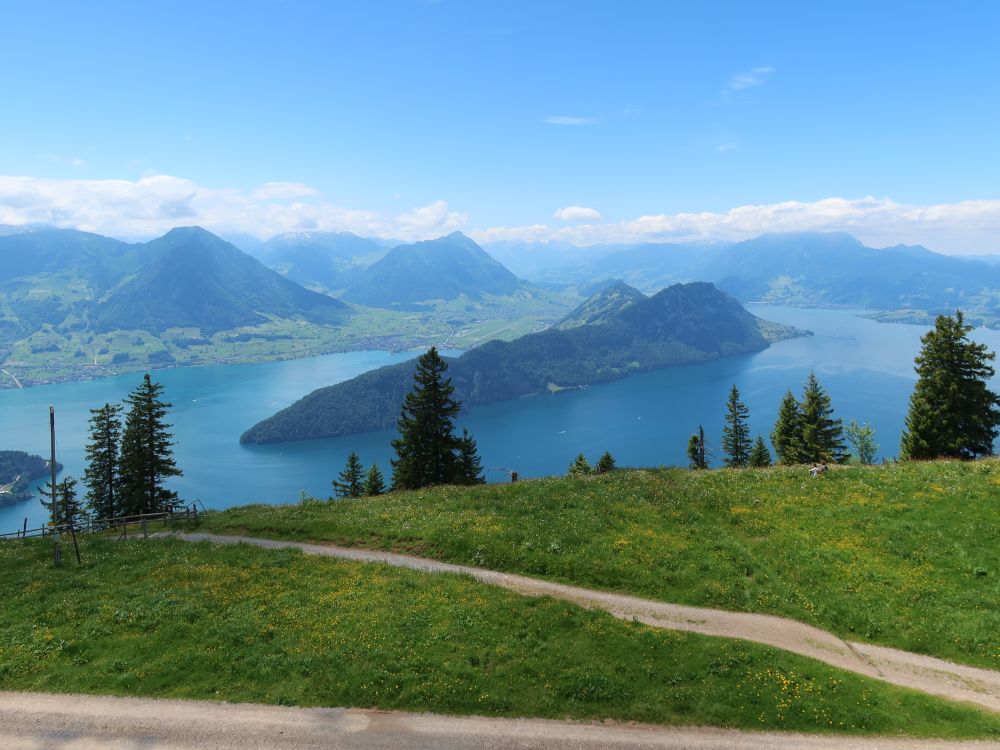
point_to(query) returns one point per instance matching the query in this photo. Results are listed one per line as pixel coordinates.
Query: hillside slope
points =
(602, 306)
(901, 555)
(248, 625)
(199, 280)
(681, 324)
(97, 259)
(329, 261)
(444, 269)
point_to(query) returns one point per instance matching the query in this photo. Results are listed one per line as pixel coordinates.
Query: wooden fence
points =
(120, 524)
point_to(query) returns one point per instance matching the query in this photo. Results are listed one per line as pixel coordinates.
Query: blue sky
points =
(409, 118)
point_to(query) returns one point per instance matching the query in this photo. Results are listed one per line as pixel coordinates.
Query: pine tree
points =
(68, 510)
(822, 435)
(605, 463)
(425, 449)
(786, 437)
(351, 481)
(760, 457)
(952, 411)
(862, 440)
(103, 452)
(697, 450)
(374, 483)
(147, 458)
(579, 467)
(470, 467)
(736, 442)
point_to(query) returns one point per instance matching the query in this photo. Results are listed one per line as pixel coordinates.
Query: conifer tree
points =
(786, 437)
(822, 435)
(470, 467)
(68, 510)
(102, 472)
(952, 411)
(697, 451)
(374, 482)
(580, 466)
(760, 457)
(147, 456)
(605, 463)
(736, 443)
(426, 446)
(351, 482)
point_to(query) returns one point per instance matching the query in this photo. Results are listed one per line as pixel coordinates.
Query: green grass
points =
(905, 555)
(166, 618)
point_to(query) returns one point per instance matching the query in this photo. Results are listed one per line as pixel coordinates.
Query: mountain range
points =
(74, 305)
(682, 324)
(325, 261)
(189, 278)
(198, 280)
(810, 269)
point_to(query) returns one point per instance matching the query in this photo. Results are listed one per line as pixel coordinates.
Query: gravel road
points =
(31, 721)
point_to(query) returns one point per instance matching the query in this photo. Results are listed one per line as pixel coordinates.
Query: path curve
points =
(938, 677)
(12, 376)
(34, 721)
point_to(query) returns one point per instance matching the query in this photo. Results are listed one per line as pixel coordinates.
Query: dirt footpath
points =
(31, 721)
(927, 674)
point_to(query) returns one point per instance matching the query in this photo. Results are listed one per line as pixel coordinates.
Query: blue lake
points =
(644, 420)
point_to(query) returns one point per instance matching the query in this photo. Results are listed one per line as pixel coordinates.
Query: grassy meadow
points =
(905, 555)
(164, 618)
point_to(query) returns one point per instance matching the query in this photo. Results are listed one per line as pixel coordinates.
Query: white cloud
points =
(747, 79)
(154, 204)
(432, 220)
(725, 148)
(569, 120)
(577, 213)
(963, 227)
(282, 191)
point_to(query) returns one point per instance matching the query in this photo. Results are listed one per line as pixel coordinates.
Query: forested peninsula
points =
(17, 471)
(682, 324)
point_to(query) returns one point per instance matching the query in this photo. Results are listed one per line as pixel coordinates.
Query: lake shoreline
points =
(643, 420)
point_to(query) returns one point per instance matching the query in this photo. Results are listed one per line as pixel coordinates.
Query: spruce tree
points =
(102, 473)
(605, 463)
(760, 457)
(470, 467)
(68, 510)
(426, 446)
(351, 482)
(147, 459)
(374, 482)
(697, 451)
(786, 437)
(579, 467)
(952, 411)
(736, 442)
(822, 435)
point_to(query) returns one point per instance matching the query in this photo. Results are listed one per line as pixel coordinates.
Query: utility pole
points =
(56, 552)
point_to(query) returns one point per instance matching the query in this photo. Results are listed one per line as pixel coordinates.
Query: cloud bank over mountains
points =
(147, 207)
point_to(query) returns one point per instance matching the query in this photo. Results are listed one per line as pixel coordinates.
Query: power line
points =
(24, 427)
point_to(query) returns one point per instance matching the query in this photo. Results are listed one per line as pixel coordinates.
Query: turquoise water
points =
(644, 420)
